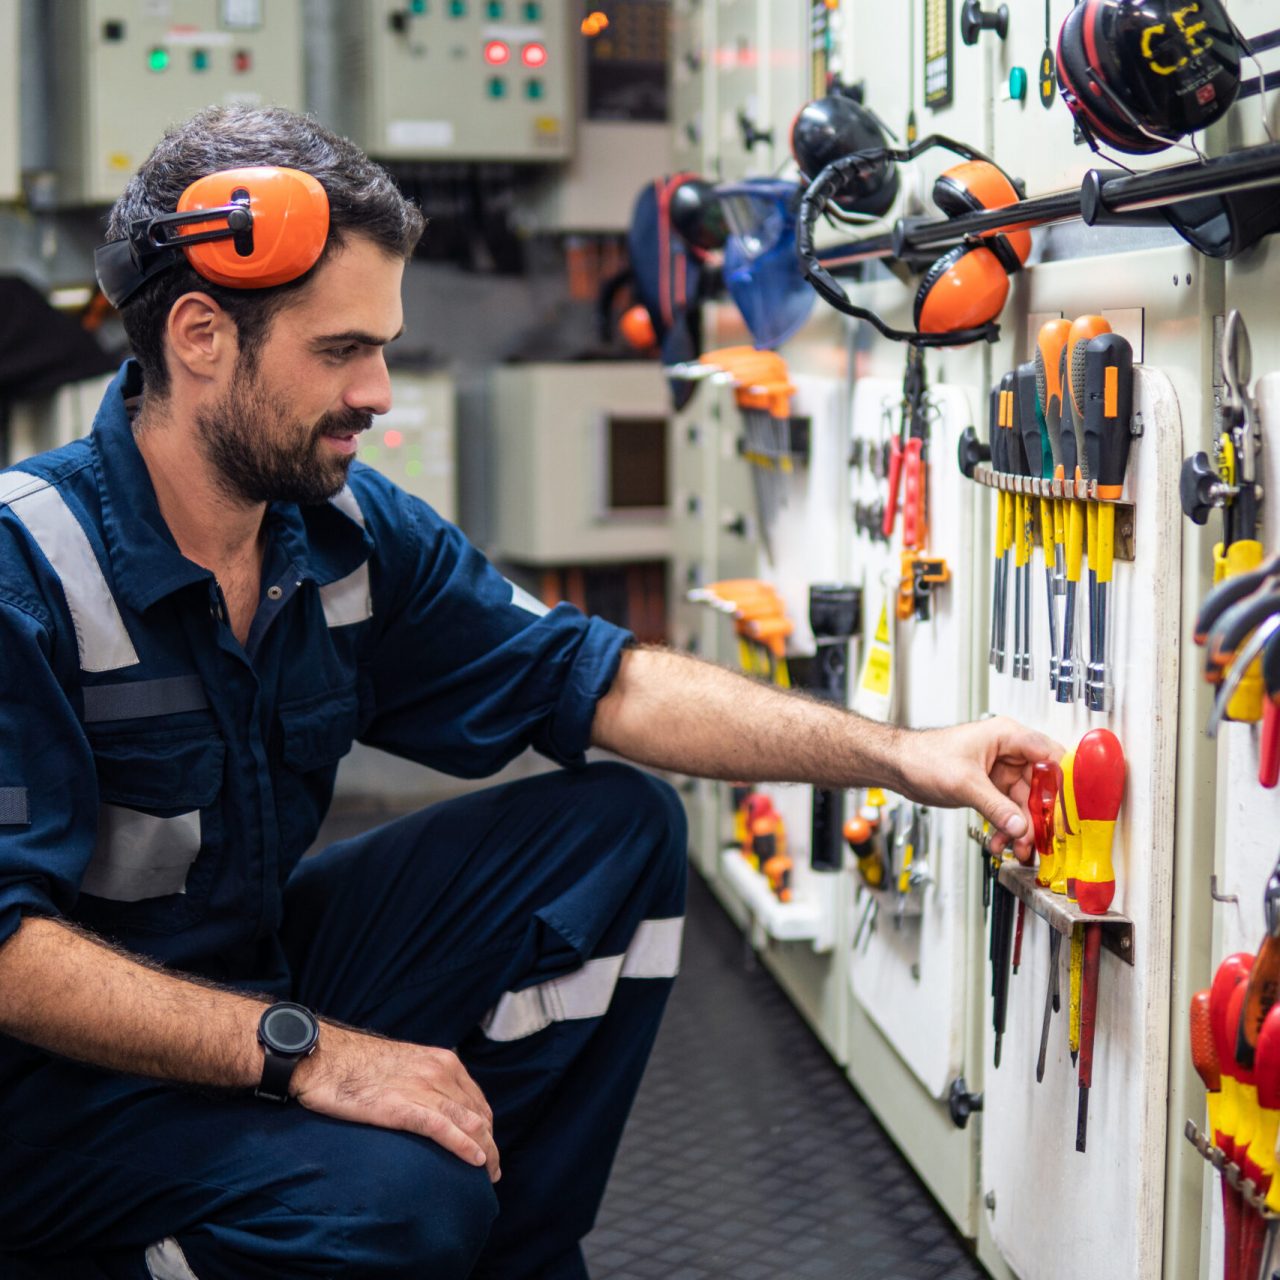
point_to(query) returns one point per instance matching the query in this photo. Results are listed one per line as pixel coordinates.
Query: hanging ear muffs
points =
(967, 287)
(248, 228)
(1138, 75)
(835, 126)
(697, 216)
(963, 292)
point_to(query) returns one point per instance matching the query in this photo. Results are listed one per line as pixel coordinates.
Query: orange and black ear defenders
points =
(964, 291)
(967, 287)
(245, 228)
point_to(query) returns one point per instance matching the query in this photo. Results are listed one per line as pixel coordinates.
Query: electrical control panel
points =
(123, 70)
(413, 444)
(458, 79)
(9, 153)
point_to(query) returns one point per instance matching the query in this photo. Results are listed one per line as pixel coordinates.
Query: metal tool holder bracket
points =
(1063, 915)
(1230, 1171)
(1086, 490)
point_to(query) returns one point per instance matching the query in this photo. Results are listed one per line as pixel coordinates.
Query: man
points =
(201, 607)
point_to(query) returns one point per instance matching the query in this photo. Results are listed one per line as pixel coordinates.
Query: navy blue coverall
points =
(159, 784)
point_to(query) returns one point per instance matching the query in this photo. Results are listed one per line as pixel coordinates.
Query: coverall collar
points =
(323, 542)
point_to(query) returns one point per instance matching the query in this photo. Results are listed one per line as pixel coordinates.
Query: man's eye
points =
(343, 353)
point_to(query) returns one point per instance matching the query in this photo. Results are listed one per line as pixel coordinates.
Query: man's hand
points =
(396, 1085)
(985, 765)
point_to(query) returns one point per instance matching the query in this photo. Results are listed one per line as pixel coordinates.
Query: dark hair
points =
(363, 200)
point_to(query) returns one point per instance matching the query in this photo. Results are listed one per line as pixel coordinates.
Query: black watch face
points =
(289, 1030)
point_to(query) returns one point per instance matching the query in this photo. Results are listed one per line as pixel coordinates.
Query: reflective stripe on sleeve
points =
(523, 600)
(349, 600)
(101, 638)
(13, 807)
(141, 856)
(142, 698)
(586, 993)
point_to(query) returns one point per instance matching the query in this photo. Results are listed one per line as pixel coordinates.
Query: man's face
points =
(287, 431)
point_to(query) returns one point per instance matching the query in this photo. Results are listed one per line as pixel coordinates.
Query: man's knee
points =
(643, 804)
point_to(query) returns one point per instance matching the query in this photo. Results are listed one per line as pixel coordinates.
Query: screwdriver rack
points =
(1059, 912)
(1231, 1172)
(1036, 488)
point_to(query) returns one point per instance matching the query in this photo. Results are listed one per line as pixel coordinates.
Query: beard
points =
(259, 456)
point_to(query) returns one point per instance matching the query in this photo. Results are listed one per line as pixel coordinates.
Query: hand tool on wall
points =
(1002, 923)
(1204, 1057)
(1247, 1121)
(1083, 330)
(835, 613)
(999, 464)
(860, 833)
(1269, 745)
(906, 450)
(1070, 865)
(758, 810)
(1043, 802)
(1231, 972)
(1267, 1078)
(1015, 465)
(1108, 383)
(1263, 987)
(1050, 343)
(1098, 776)
(1069, 675)
(1097, 786)
(1027, 460)
(1035, 439)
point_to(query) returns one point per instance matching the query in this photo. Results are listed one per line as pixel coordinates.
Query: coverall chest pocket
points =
(315, 733)
(159, 837)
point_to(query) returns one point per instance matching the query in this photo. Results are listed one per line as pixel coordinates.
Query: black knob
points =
(1200, 488)
(972, 451)
(974, 20)
(835, 610)
(751, 134)
(961, 1103)
(737, 526)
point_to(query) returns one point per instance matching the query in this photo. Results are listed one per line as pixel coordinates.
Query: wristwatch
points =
(287, 1033)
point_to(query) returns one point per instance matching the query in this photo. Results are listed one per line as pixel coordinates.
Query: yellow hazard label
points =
(876, 797)
(882, 627)
(876, 675)
(119, 162)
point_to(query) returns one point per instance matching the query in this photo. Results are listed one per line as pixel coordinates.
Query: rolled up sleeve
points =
(468, 670)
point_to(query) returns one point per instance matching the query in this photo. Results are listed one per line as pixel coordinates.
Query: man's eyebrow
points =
(354, 335)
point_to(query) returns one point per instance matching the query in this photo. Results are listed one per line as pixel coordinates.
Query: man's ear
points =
(201, 337)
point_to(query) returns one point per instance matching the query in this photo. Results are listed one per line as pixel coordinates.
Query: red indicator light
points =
(392, 439)
(534, 55)
(243, 61)
(496, 53)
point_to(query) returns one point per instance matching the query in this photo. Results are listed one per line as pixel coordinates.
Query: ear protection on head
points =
(245, 228)
(967, 287)
(1139, 74)
(963, 292)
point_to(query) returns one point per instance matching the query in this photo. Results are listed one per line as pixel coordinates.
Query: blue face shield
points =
(761, 269)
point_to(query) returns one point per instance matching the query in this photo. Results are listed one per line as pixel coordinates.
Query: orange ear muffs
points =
(965, 289)
(976, 185)
(264, 226)
(290, 223)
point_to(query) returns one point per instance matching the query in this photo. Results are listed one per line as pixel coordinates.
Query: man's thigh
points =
(249, 1189)
(417, 928)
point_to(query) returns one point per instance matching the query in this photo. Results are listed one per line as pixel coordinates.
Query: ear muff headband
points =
(248, 228)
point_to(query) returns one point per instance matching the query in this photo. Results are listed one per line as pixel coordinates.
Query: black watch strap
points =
(277, 1071)
(288, 1033)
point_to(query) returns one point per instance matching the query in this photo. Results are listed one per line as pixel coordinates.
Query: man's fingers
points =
(1018, 743)
(999, 809)
(457, 1130)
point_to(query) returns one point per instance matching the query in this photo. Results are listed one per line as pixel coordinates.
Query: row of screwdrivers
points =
(1062, 417)
(1235, 1045)
(1074, 805)
(760, 620)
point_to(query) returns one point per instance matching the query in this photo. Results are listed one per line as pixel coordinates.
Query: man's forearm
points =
(671, 711)
(65, 991)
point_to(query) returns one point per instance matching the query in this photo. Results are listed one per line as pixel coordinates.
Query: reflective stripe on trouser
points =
(418, 930)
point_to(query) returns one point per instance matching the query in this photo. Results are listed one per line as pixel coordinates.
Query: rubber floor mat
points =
(748, 1156)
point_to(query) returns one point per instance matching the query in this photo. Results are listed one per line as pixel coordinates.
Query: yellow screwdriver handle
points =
(1075, 840)
(1246, 703)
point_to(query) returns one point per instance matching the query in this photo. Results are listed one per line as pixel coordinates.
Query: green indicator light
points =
(497, 87)
(532, 11)
(533, 89)
(413, 467)
(158, 59)
(200, 59)
(370, 452)
(1017, 83)
(495, 8)
(458, 8)
(418, 6)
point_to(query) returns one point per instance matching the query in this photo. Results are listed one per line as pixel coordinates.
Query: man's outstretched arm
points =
(672, 711)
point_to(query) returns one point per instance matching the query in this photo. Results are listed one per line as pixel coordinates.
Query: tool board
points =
(1248, 838)
(908, 970)
(1109, 1201)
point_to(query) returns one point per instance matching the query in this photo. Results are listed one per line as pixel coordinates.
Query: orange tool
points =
(860, 832)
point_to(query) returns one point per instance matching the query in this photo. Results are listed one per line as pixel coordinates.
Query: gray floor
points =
(749, 1157)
